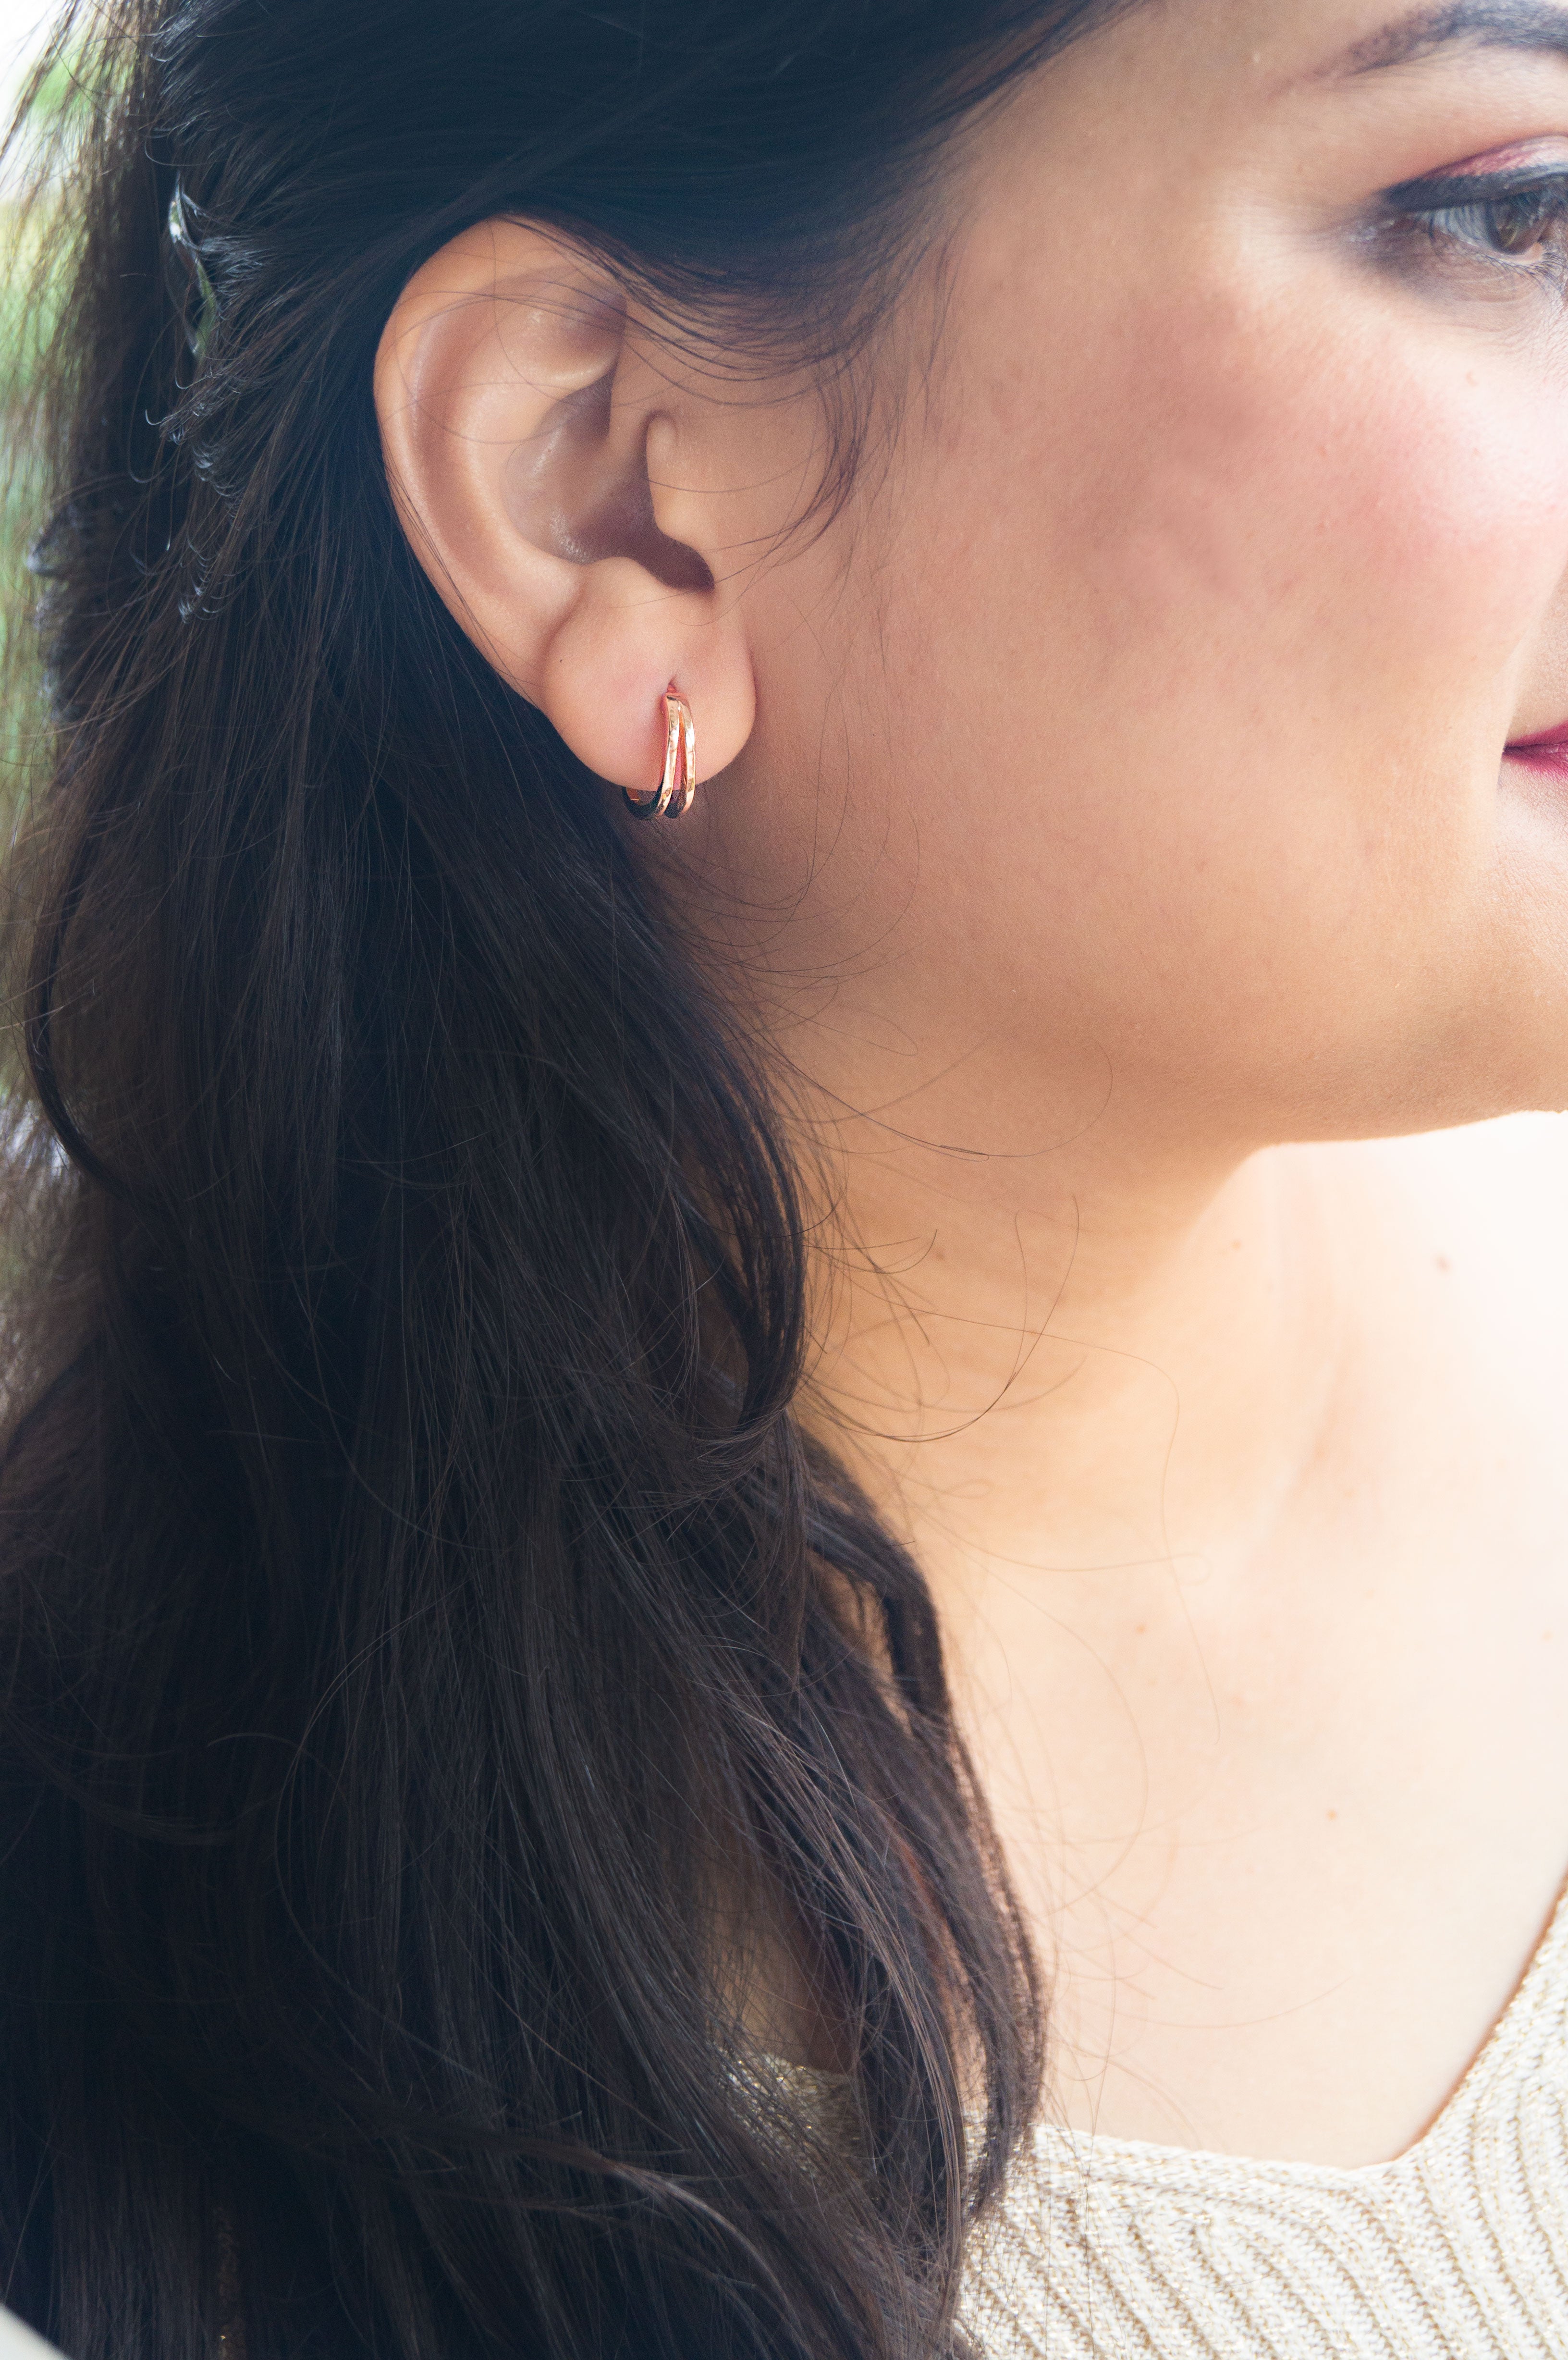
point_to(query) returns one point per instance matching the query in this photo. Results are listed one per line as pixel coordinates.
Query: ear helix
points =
(673, 795)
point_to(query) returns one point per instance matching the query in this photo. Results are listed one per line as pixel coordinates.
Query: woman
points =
(807, 762)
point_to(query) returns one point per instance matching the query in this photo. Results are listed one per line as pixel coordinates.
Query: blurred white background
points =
(23, 24)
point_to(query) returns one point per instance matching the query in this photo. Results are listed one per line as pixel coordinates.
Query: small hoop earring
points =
(672, 796)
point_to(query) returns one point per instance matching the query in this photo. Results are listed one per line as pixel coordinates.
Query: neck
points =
(1088, 1355)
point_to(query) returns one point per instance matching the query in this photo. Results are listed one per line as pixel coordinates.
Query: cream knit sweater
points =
(1108, 2249)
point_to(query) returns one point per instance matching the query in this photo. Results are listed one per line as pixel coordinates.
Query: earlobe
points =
(515, 416)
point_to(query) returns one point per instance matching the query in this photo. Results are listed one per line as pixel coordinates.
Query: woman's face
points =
(1174, 662)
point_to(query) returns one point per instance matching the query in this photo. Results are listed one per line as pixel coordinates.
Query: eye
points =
(1520, 223)
(1524, 225)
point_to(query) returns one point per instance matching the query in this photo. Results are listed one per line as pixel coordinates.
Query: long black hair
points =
(428, 1641)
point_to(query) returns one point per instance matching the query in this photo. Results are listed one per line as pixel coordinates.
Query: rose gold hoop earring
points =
(673, 795)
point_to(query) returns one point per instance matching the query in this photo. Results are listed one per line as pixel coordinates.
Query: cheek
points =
(1357, 518)
(1237, 647)
(1443, 526)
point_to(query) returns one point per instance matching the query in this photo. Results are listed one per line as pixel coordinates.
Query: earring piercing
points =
(673, 795)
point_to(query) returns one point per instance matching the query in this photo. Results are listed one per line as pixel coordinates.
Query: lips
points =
(1547, 752)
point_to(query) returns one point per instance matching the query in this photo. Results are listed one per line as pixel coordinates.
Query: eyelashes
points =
(1516, 221)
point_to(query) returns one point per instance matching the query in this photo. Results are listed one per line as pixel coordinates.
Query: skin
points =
(1116, 833)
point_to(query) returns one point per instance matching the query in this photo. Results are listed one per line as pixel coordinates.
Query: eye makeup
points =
(1481, 180)
(1506, 211)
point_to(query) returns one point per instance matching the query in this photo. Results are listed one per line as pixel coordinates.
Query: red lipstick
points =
(1548, 752)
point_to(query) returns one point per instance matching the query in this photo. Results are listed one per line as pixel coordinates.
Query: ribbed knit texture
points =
(1112, 2249)
(1109, 2249)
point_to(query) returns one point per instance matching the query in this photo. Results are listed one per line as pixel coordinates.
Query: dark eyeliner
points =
(1451, 192)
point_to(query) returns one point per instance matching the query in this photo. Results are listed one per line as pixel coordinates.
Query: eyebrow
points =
(1529, 25)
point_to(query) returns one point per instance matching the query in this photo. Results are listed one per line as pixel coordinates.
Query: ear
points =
(562, 492)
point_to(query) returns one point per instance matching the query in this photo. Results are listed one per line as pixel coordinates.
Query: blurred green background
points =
(25, 307)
